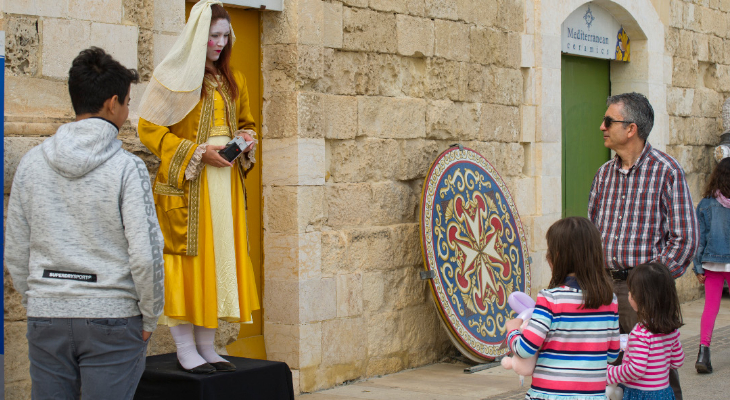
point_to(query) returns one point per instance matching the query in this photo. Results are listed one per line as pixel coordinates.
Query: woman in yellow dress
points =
(194, 105)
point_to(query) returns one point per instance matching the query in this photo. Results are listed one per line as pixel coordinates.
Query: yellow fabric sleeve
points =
(174, 152)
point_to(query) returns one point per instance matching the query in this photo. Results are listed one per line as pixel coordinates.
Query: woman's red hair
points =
(224, 61)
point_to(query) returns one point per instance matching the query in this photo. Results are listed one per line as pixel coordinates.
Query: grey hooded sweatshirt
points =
(82, 238)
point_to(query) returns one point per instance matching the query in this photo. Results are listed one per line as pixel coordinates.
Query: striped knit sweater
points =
(647, 360)
(575, 345)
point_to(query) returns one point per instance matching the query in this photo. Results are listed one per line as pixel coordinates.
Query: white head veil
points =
(174, 89)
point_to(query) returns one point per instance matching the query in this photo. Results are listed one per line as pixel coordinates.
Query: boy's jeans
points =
(102, 357)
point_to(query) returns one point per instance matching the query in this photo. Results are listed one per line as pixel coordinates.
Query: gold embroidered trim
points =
(220, 131)
(177, 161)
(167, 190)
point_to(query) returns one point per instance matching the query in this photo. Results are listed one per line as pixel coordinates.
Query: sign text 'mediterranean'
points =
(580, 35)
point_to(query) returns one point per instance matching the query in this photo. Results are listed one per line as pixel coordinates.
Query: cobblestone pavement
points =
(447, 381)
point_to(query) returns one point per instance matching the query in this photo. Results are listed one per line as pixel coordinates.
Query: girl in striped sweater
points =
(653, 347)
(574, 328)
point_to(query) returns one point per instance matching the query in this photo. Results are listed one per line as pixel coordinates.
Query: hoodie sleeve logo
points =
(74, 276)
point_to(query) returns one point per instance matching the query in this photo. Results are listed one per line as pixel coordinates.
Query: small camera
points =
(233, 149)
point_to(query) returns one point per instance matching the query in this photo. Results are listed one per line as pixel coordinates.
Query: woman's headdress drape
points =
(176, 83)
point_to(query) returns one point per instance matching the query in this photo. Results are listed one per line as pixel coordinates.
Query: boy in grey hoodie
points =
(83, 245)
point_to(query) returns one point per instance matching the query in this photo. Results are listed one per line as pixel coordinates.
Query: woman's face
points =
(220, 30)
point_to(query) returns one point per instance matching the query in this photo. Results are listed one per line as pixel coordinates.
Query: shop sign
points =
(592, 31)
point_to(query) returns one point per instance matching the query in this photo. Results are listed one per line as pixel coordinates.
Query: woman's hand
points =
(701, 278)
(247, 137)
(212, 158)
(513, 324)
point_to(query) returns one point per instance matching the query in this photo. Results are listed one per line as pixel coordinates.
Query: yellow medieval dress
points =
(208, 270)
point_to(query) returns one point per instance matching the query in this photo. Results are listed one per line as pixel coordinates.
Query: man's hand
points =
(212, 158)
(513, 324)
(701, 278)
(146, 335)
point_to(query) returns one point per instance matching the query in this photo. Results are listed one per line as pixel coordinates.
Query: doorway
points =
(585, 86)
(246, 57)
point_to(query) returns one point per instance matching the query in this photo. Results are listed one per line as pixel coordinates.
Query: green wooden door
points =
(585, 86)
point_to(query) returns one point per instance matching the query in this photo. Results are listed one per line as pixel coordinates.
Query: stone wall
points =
(698, 42)
(360, 96)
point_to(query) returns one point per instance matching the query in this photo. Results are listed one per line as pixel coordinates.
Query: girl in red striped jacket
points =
(653, 347)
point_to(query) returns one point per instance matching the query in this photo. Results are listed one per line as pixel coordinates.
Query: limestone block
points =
(548, 157)
(444, 9)
(472, 82)
(280, 27)
(676, 14)
(686, 44)
(385, 365)
(524, 194)
(481, 13)
(406, 289)
(452, 121)
(118, 40)
(15, 149)
(442, 79)
(671, 40)
(713, 21)
(700, 46)
(280, 112)
(725, 5)
(506, 87)
(14, 310)
(293, 256)
(416, 157)
(348, 204)
(290, 209)
(384, 335)
(726, 51)
(311, 21)
(397, 118)
(527, 55)
(161, 342)
(145, 54)
(366, 30)
(368, 248)
(31, 97)
(300, 161)
(279, 68)
(349, 295)
(542, 224)
(420, 328)
(16, 352)
(332, 30)
(373, 288)
(710, 102)
(392, 203)
(310, 345)
(282, 343)
(384, 75)
(334, 253)
(18, 390)
(406, 245)
(549, 193)
(415, 36)
(310, 64)
(500, 123)
(41, 8)
(356, 3)
(511, 15)
(716, 50)
(107, 11)
(345, 72)
(721, 78)
(679, 101)
(343, 339)
(491, 46)
(451, 40)
(311, 115)
(169, 16)
(363, 160)
(340, 116)
(21, 45)
(162, 45)
(685, 73)
(140, 13)
(62, 41)
(529, 123)
(284, 308)
(677, 129)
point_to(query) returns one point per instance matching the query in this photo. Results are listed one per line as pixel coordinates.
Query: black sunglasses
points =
(607, 121)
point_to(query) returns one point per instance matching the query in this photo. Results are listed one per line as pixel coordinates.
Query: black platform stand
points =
(252, 380)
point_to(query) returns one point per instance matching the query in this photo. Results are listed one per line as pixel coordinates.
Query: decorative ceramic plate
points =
(475, 250)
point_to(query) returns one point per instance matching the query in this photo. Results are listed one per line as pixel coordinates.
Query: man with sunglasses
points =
(640, 203)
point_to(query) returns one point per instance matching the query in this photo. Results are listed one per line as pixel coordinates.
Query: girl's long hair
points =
(719, 180)
(574, 246)
(653, 290)
(224, 61)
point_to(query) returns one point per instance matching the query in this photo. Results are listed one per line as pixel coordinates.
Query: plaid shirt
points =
(644, 214)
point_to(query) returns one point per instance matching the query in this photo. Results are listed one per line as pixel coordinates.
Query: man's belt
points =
(619, 274)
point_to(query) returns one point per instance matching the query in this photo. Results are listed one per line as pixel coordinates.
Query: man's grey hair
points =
(637, 109)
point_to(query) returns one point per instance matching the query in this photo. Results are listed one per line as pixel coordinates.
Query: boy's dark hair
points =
(574, 246)
(95, 77)
(653, 290)
(719, 180)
